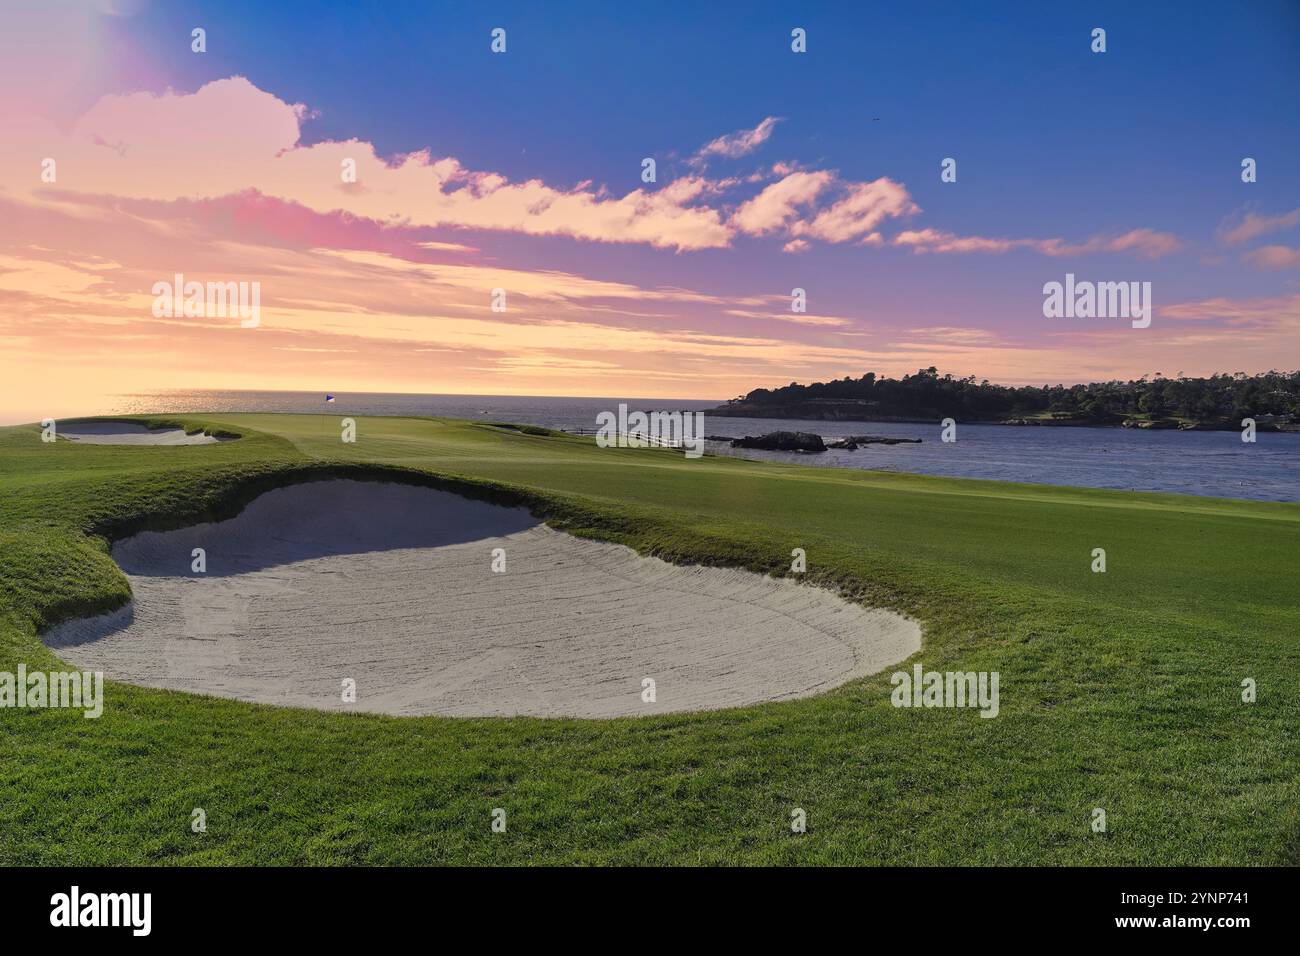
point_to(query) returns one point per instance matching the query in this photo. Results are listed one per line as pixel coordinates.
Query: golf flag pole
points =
(329, 400)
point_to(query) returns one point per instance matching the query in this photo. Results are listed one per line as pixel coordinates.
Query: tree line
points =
(1222, 397)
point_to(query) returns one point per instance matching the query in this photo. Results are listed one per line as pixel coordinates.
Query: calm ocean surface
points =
(1193, 463)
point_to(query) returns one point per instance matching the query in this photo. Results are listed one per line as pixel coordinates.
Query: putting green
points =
(1120, 691)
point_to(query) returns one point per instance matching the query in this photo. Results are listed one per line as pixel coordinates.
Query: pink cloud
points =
(1250, 225)
(1274, 257)
(1278, 315)
(864, 207)
(853, 216)
(773, 209)
(1146, 243)
(75, 319)
(937, 240)
(230, 136)
(249, 216)
(740, 143)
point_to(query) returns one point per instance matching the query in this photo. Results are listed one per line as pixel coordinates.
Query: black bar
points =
(236, 904)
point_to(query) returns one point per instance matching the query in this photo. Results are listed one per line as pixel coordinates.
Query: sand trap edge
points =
(130, 433)
(240, 494)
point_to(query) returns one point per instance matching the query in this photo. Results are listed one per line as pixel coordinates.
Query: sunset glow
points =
(214, 165)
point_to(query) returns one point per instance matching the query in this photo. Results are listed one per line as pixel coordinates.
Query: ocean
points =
(1193, 463)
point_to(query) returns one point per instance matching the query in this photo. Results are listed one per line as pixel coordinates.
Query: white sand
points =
(391, 585)
(130, 433)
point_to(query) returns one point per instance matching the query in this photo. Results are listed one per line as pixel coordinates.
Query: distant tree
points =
(1220, 397)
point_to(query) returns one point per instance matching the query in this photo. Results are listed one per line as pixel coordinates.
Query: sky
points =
(376, 171)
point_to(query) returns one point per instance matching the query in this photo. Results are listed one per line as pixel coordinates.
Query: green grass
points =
(1118, 690)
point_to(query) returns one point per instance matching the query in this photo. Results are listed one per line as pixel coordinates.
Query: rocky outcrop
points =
(1154, 423)
(782, 441)
(852, 442)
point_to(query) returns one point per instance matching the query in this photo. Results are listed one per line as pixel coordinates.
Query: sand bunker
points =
(391, 586)
(131, 433)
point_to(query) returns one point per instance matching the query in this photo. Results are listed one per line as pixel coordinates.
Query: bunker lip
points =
(133, 433)
(392, 586)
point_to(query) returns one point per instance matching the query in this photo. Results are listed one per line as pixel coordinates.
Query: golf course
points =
(1120, 691)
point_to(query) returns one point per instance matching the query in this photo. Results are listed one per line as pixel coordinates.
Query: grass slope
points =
(1118, 690)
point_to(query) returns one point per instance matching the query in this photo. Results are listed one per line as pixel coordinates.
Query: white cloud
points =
(740, 143)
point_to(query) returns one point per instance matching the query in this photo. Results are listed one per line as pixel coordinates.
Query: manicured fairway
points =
(1119, 690)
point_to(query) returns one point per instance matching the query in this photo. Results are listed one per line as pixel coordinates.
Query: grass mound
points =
(1119, 690)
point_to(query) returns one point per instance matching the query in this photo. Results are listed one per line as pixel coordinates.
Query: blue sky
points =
(1045, 133)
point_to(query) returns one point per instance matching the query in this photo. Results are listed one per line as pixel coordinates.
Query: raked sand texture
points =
(130, 433)
(392, 586)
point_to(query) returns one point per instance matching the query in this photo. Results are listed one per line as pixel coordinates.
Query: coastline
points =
(1158, 424)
